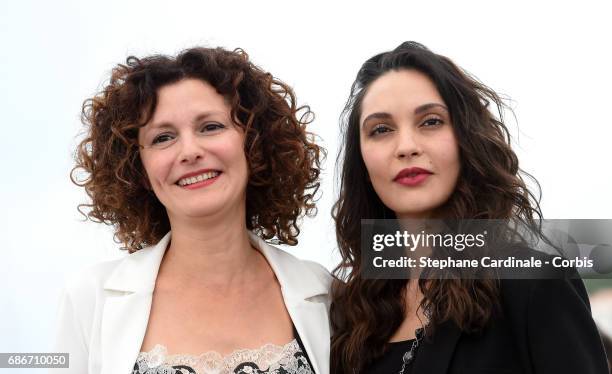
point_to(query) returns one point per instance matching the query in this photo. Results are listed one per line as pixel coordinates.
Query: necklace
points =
(408, 356)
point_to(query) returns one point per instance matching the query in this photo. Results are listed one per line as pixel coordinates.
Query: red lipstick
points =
(412, 176)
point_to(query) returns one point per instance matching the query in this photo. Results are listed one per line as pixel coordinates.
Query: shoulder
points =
(311, 267)
(552, 296)
(532, 297)
(300, 266)
(539, 295)
(79, 307)
(557, 286)
(88, 282)
(546, 313)
(550, 274)
(296, 276)
(132, 272)
(319, 271)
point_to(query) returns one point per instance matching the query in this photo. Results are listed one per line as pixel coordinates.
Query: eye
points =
(211, 127)
(432, 121)
(162, 138)
(381, 128)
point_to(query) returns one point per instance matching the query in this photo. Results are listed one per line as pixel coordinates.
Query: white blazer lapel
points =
(128, 304)
(312, 323)
(305, 294)
(123, 327)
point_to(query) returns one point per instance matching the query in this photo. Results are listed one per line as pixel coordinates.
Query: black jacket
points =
(545, 327)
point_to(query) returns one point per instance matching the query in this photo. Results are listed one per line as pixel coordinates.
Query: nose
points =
(190, 150)
(407, 145)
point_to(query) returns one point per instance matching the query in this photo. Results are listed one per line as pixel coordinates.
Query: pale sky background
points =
(552, 60)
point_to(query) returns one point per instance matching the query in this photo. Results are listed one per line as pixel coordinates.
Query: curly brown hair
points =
(283, 159)
(366, 312)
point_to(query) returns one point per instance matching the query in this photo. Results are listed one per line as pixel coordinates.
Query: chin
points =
(415, 206)
(201, 210)
(413, 215)
(420, 211)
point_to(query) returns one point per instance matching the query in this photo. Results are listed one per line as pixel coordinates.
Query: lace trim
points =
(268, 359)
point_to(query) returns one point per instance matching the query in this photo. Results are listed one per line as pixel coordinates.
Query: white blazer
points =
(104, 311)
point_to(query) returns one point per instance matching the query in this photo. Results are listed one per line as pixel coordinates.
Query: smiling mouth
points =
(197, 178)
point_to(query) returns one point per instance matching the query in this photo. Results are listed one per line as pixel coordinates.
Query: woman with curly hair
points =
(421, 143)
(196, 160)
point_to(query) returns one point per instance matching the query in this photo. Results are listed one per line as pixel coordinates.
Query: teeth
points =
(198, 178)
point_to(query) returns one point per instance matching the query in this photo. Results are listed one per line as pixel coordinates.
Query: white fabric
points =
(104, 310)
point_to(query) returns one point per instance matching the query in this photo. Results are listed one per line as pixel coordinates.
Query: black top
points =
(392, 361)
(544, 327)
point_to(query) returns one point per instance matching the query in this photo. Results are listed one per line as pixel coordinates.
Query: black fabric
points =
(391, 362)
(544, 327)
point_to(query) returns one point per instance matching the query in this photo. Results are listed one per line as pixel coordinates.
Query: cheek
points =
(375, 160)
(155, 167)
(448, 157)
(146, 165)
(241, 164)
(231, 151)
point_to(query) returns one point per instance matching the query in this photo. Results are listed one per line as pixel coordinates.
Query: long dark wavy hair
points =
(366, 312)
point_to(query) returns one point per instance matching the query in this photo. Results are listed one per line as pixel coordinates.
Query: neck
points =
(416, 229)
(212, 251)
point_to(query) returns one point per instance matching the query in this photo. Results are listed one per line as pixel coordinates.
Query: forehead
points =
(399, 91)
(186, 97)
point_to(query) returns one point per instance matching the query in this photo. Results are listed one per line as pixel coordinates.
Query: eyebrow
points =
(196, 119)
(377, 115)
(418, 110)
(426, 107)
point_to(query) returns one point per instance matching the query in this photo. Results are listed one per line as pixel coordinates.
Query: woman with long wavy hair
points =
(420, 142)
